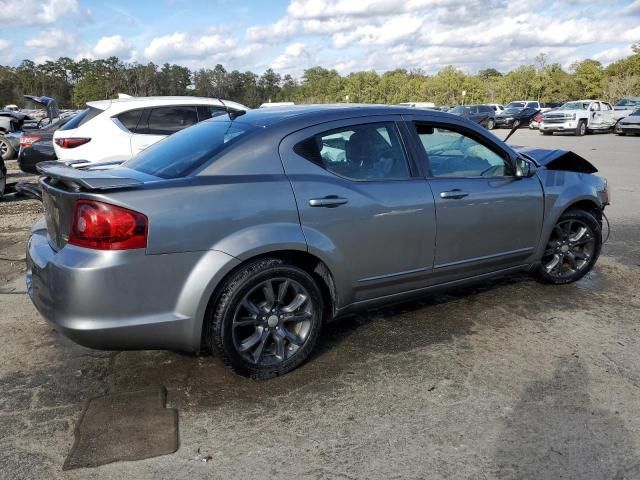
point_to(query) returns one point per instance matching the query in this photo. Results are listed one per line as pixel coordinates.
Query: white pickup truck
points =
(579, 117)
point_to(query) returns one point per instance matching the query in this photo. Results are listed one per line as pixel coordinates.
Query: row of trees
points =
(73, 83)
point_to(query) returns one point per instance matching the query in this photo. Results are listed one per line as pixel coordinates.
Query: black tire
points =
(7, 152)
(491, 124)
(225, 320)
(594, 233)
(617, 129)
(545, 133)
(581, 129)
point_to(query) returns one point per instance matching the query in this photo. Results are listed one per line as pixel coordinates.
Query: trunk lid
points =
(62, 185)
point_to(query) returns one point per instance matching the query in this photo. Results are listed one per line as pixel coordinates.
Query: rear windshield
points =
(81, 118)
(516, 105)
(183, 152)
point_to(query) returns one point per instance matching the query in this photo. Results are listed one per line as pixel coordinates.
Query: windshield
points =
(628, 102)
(516, 105)
(575, 106)
(512, 111)
(635, 113)
(183, 152)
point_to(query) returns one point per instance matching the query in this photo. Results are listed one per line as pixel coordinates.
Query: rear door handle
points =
(454, 194)
(330, 201)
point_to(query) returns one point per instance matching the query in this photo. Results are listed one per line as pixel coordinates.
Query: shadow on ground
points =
(556, 432)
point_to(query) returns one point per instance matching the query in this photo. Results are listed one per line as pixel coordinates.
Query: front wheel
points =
(491, 124)
(267, 319)
(7, 151)
(572, 249)
(581, 129)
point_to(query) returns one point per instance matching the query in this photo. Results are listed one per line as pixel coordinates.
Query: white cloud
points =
(114, 46)
(183, 46)
(49, 40)
(35, 12)
(294, 55)
(6, 54)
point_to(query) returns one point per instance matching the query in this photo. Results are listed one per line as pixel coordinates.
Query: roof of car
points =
(168, 100)
(269, 116)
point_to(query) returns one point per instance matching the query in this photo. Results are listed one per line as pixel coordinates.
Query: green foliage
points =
(73, 83)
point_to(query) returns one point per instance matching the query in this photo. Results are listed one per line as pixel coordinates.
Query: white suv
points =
(115, 130)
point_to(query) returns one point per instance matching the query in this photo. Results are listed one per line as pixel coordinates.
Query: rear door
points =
(159, 122)
(488, 219)
(364, 208)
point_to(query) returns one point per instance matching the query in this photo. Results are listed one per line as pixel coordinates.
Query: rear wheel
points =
(267, 319)
(572, 249)
(7, 151)
(581, 129)
(545, 133)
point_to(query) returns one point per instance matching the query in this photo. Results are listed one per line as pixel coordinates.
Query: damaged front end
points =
(558, 159)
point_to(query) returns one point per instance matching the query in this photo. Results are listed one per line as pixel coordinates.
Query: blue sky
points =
(290, 35)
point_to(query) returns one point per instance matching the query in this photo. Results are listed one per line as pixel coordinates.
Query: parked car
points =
(118, 129)
(3, 177)
(579, 117)
(245, 234)
(629, 125)
(512, 117)
(481, 114)
(37, 146)
(276, 104)
(524, 104)
(13, 122)
(428, 105)
(623, 108)
(497, 108)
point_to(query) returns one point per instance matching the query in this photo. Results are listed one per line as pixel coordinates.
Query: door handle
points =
(454, 194)
(330, 201)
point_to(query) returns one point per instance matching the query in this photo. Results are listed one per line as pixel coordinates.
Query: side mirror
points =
(524, 168)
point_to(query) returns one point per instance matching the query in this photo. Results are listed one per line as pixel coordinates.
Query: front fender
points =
(563, 189)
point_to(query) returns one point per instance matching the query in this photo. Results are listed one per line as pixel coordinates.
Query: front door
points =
(488, 219)
(363, 208)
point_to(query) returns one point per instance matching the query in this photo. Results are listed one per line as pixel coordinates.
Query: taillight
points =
(103, 226)
(71, 142)
(28, 140)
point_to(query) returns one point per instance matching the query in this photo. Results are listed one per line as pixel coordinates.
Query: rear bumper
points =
(123, 300)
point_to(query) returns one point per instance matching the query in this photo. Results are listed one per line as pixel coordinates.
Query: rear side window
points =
(168, 120)
(81, 118)
(360, 152)
(130, 119)
(205, 112)
(182, 153)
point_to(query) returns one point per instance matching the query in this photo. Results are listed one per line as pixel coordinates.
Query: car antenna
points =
(522, 117)
(233, 114)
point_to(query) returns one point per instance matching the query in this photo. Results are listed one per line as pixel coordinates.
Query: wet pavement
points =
(506, 379)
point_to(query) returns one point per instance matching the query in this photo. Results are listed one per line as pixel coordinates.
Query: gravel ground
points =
(508, 379)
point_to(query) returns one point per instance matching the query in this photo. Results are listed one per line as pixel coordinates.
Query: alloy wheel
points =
(273, 321)
(4, 148)
(570, 249)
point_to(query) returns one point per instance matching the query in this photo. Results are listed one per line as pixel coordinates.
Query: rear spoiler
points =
(86, 179)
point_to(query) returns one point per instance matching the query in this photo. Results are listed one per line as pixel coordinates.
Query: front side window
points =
(360, 152)
(168, 120)
(454, 154)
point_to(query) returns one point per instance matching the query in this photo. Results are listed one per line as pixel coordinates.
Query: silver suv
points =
(245, 233)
